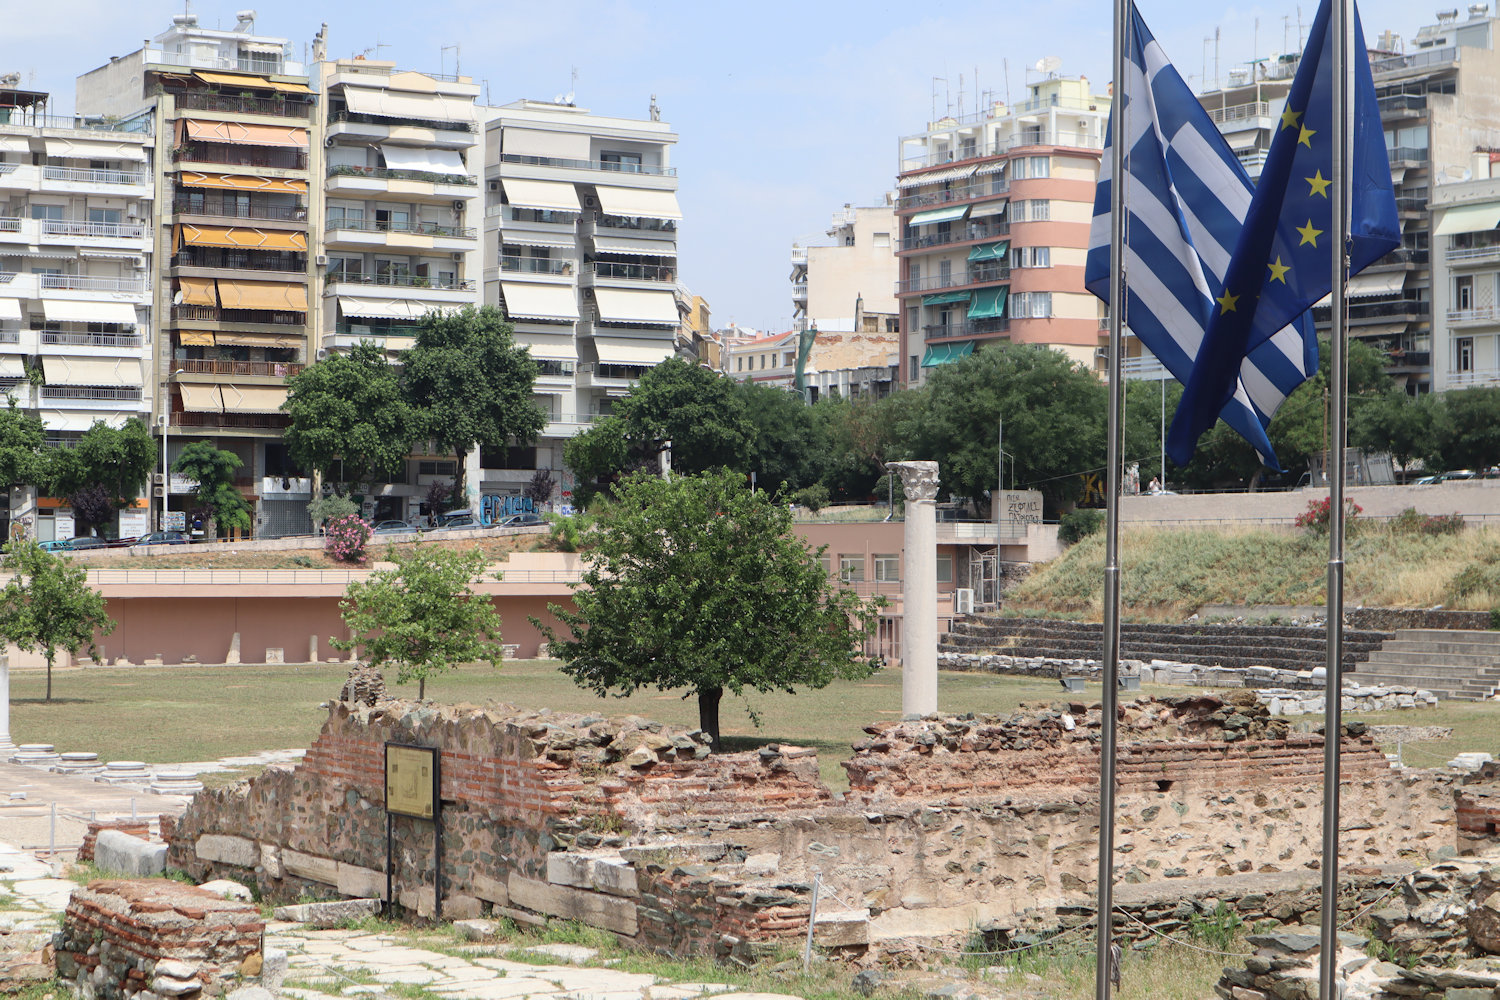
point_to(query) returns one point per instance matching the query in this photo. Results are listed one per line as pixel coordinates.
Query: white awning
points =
(524, 300)
(1381, 329)
(628, 305)
(540, 142)
(426, 107)
(1468, 219)
(619, 351)
(380, 308)
(649, 248)
(988, 208)
(11, 367)
(525, 239)
(1398, 174)
(252, 398)
(10, 309)
(638, 202)
(82, 149)
(432, 161)
(68, 311)
(1363, 286)
(545, 347)
(993, 167)
(1242, 140)
(554, 195)
(935, 176)
(14, 144)
(89, 371)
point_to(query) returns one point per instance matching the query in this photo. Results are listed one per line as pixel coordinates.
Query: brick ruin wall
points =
(950, 823)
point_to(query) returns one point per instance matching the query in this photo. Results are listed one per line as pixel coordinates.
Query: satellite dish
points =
(557, 99)
(568, 100)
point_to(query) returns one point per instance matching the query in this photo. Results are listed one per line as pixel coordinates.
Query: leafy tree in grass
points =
(698, 583)
(48, 604)
(469, 384)
(117, 459)
(423, 615)
(1396, 422)
(350, 409)
(1466, 430)
(213, 470)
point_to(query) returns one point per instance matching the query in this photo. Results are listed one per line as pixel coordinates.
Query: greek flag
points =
(1186, 200)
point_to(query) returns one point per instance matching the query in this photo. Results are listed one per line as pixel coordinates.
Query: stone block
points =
(227, 850)
(595, 909)
(418, 901)
(314, 869)
(476, 930)
(838, 929)
(490, 890)
(330, 914)
(275, 654)
(603, 873)
(120, 852)
(460, 906)
(352, 880)
(228, 888)
(270, 861)
(273, 968)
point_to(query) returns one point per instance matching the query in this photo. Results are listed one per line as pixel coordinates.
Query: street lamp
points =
(166, 422)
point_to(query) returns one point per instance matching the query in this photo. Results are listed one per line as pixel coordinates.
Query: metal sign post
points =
(412, 788)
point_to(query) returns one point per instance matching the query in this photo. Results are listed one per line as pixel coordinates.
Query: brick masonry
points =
(135, 827)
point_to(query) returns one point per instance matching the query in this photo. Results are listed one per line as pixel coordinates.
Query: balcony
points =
(278, 108)
(972, 234)
(1407, 154)
(81, 175)
(597, 375)
(1409, 204)
(1481, 314)
(99, 393)
(261, 65)
(610, 165)
(228, 209)
(233, 155)
(403, 281)
(938, 282)
(355, 118)
(385, 173)
(90, 283)
(369, 332)
(1404, 360)
(966, 192)
(1400, 105)
(1240, 112)
(977, 328)
(1421, 59)
(140, 125)
(241, 260)
(236, 317)
(123, 341)
(81, 229)
(1074, 140)
(1410, 308)
(637, 272)
(205, 366)
(536, 265)
(1403, 257)
(1473, 254)
(414, 226)
(233, 421)
(1474, 378)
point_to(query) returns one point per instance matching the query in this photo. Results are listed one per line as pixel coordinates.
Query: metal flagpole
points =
(1104, 958)
(1339, 25)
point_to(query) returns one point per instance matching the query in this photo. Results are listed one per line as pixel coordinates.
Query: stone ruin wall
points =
(950, 823)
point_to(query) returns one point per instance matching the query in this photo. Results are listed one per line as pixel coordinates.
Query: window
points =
(739, 364)
(435, 468)
(826, 561)
(1039, 211)
(945, 569)
(106, 215)
(762, 362)
(1030, 305)
(629, 163)
(852, 569)
(788, 359)
(345, 268)
(914, 368)
(1463, 293)
(52, 213)
(881, 239)
(945, 273)
(341, 215)
(887, 567)
(1031, 257)
(1038, 166)
(968, 148)
(394, 220)
(1463, 349)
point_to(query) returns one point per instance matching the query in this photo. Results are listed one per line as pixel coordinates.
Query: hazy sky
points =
(785, 110)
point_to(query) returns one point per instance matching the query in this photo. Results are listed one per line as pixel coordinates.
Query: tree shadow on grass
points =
(54, 701)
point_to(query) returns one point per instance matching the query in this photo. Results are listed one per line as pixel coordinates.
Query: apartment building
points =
(851, 267)
(1466, 277)
(234, 122)
(75, 292)
(580, 251)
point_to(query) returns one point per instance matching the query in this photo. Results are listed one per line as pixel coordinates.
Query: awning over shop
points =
(942, 354)
(990, 251)
(1468, 219)
(241, 182)
(951, 213)
(241, 237)
(425, 107)
(551, 195)
(252, 398)
(239, 132)
(648, 248)
(988, 303)
(641, 203)
(429, 161)
(1365, 285)
(548, 348)
(10, 309)
(196, 292)
(259, 339)
(82, 149)
(69, 311)
(201, 398)
(620, 305)
(620, 351)
(944, 298)
(90, 371)
(527, 301)
(262, 295)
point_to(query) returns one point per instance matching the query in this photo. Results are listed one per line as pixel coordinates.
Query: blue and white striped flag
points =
(1186, 201)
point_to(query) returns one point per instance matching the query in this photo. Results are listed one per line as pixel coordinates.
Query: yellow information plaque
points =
(411, 780)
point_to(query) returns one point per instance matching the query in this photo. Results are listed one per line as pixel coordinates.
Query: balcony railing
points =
(1373, 310)
(245, 421)
(990, 187)
(99, 392)
(635, 223)
(977, 328)
(244, 105)
(91, 339)
(10, 224)
(232, 210)
(385, 173)
(1409, 204)
(206, 366)
(602, 370)
(140, 124)
(1392, 103)
(1480, 314)
(970, 234)
(1405, 255)
(1076, 140)
(1409, 359)
(259, 317)
(1407, 154)
(536, 265)
(273, 65)
(1474, 254)
(91, 283)
(1474, 378)
(404, 280)
(1415, 60)
(374, 332)
(229, 154)
(637, 272)
(937, 282)
(1240, 112)
(412, 226)
(93, 230)
(81, 175)
(242, 260)
(396, 121)
(558, 161)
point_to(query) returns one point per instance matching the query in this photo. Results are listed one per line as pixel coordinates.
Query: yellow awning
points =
(195, 338)
(252, 398)
(291, 88)
(239, 132)
(201, 398)
(262, 295)
(197, 292)
(242, 237)
(240, 182)
(258, 339)
(234, 79)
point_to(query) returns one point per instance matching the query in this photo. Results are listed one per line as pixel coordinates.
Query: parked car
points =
(393, 527)
(163, 538)
(87, 542)
(55, 545)
(521, 520)
(456, 519)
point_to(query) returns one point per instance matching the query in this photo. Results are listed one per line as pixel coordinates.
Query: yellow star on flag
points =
(1309, 234)
(1289, 117)
(1227, 302)
(1279, 270)
(1318, 183)
(1306, 137)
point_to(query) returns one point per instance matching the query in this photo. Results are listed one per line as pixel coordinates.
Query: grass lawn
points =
(171, 714)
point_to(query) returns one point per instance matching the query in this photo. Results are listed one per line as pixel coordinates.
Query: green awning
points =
(944, 298)
(942, 354)
(988, 303)
(990, 251)
(934, 215)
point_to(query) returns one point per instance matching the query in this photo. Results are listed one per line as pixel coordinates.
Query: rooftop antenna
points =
(572, 87)
(935, 81)
(442, 53)
(960, 94)
(1005, 63)
(1216, 58)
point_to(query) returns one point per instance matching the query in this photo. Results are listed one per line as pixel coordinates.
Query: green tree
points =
(48, 604)
(1466, 426)
(468, 384)
(697, 583)
(782, 445)
(21, 437)
(350, 409)
(1395, 422)
(422, 615)
(119, 459)
(596, 456)
(213, 470)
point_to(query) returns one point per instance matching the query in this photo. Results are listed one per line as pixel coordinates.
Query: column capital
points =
(918, 479)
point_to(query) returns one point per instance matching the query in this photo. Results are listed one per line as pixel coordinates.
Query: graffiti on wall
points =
(493, 507)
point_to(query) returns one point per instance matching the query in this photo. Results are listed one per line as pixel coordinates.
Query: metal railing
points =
(339, 577)
(1476, 253)
(977, 328)
(638, 272)
(95, 392)
(246, 421)
(404, 280)
(386, 173)
(1407, 154)
(83, 175)
(1415, 60)
(536, 265)
(970, 234)
(231, 210)
(1478, 314)
(1409, 204)
(1074, 140)
(139, 125)
(92, 283)
(936, 282)
(1392, 103)
(1398, 307)
(10, 224)
(10, 336)
(278, 107)
(282, 262)
(1240, 112)
(635, 222)
(262, 65)
(229, 154)
(561, 161)
(411, 226)
(93, 230)
(213, 314)
(396, 121)
(989, 188)
(214, 366)
(1410, 359)
(92, 339)
(1474, 378)
(346, 329)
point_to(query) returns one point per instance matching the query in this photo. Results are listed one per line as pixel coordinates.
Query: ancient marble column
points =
(919, 588)
(6, 746)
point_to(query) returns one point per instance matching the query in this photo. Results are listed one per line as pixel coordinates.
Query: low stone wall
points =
(1391, 619)
(1150, 672)
(1355, 698)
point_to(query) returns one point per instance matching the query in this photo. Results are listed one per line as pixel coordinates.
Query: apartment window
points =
(881, 239)
(788, 359)
(345, 268)
(945, 568)
(435, 468)
(1463, 293)
(393, 219)
(1030, 305)
(341, 215)
(914, 368)
(1038, 166)
(1463, 349)
(52, 213)
(629, 163)
(739, 364)
(887, 567)
(826, 561)
(852, 569)
(1039, 211)
(968, 148)
(106, 215)
(945, 272)
(1031, 257)
(762, 362)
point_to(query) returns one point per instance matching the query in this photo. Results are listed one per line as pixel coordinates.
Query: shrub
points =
(1316, 515)
(1410, 522)
(331, 507)
(347, 537)
(1076, 525)
(814, 497)
(568, 531)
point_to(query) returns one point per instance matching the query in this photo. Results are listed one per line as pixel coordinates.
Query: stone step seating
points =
(1451, 663)
(1288, 647)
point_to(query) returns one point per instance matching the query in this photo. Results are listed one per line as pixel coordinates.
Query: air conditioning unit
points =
(322, 353)
(458, 257)
(321, 260)
(494, 185)
(138, 263)
(158, 492)
(590, 201)
(156, 478)
(458, 205)
(963, 601)
(328, 142)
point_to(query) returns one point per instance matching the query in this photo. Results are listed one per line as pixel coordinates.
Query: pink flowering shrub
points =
(346, 538)
(1316, 515)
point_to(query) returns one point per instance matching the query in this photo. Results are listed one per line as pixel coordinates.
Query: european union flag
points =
(1281, 263)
